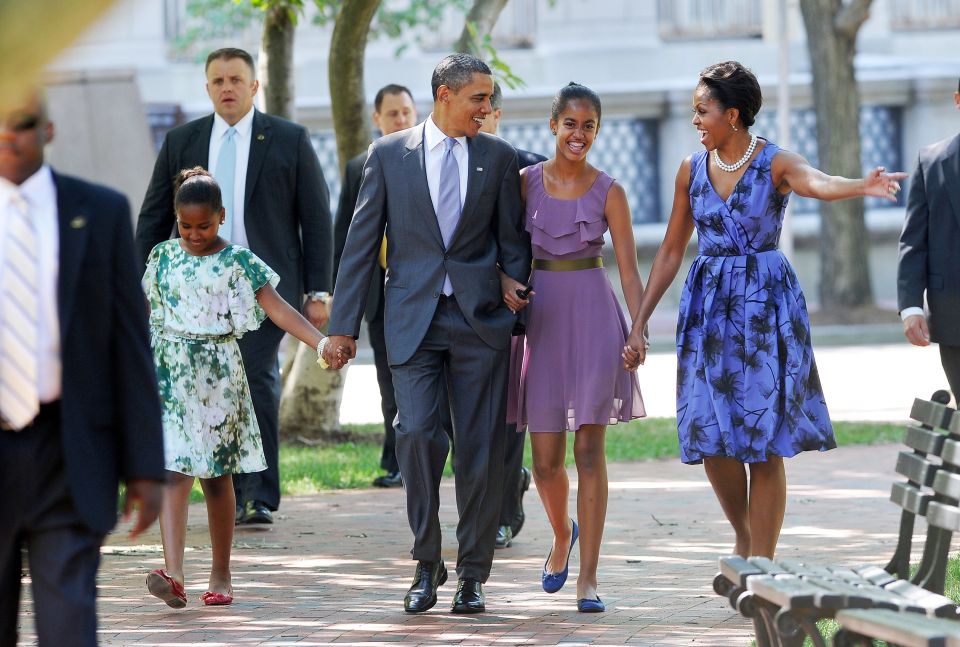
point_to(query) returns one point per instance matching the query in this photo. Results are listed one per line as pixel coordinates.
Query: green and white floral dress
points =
(199, 307)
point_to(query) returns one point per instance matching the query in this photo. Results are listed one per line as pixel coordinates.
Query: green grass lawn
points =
(306, 470)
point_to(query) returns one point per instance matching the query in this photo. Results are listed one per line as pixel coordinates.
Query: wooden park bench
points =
(785, 598)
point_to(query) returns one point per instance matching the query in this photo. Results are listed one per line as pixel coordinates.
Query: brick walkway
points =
(333, 569)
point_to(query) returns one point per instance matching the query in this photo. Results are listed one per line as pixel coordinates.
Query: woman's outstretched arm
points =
(791, 172)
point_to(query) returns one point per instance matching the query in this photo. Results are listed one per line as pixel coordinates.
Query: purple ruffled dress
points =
(572, 372)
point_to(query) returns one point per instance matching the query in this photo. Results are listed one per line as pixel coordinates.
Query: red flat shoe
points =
(166, 588)
(212, 599)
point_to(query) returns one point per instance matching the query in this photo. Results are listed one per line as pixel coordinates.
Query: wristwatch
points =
(322, 297)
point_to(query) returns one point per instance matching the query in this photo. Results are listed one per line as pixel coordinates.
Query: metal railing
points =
(924, 14)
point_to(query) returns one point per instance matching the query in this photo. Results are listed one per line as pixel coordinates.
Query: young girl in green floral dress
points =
(204, 294)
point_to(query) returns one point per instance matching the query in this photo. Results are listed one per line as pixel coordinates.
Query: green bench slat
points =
(911, 498)
(932, 414)
(915, 467)
(928, 441)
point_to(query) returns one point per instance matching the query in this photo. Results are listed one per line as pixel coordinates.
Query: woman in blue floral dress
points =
(748, 392)
(204, 294)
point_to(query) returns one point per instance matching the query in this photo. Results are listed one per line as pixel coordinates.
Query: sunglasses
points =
(23, 123)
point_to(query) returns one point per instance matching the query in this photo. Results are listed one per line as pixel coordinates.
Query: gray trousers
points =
(39, 518)
(259, 350)
(476, 378)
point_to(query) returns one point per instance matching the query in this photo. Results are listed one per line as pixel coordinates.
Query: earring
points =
(554, 132)
(734, 126)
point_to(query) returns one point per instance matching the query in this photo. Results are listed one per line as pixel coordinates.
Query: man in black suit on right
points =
(930, 254)
(393, 110)
(516, 477)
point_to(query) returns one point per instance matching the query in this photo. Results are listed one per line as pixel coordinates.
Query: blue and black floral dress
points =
(747, 381)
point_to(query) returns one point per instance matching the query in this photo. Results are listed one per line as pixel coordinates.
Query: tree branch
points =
(483, 15)
(851, 17)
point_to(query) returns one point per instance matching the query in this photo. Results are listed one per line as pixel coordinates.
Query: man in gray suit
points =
(277, 205)
(449, 198)
(930, 254)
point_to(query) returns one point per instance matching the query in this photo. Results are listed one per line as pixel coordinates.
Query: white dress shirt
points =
(41, 196)
(244, 128)
(912, 310)
(434, 149)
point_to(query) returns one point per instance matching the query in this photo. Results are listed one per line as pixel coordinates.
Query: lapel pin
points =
(78, 222)
(260, 137)
(479, 168)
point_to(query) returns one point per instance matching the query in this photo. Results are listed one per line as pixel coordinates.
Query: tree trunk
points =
(276, 61)
(348, 103)
(832, 28)
(310, 400)
(483, 16)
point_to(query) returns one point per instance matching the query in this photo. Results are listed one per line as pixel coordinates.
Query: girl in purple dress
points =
(572, 376)
(748, 392)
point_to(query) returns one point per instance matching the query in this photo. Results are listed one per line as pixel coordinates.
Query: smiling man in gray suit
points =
(449, 200)
(930, 254)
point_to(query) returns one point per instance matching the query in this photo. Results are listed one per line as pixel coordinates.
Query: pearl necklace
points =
(730, 168)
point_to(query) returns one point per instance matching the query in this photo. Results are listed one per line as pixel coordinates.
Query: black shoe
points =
(517, 524)
(469, 597)
(422, 594)
(256, 512)
(390, 479)
(504, 537)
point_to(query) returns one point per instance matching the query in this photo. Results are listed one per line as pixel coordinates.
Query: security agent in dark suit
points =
(79, 408)
(516, 477)
(930, 254)
(393, 110)
(279, 208)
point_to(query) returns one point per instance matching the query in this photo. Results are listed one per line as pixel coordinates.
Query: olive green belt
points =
(567, 266)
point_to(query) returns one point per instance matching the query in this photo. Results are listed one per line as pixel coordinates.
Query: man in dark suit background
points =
(393, 110)
(79, 406)
(277, 205)
(448, 197)
(516, 477)
(930, 254)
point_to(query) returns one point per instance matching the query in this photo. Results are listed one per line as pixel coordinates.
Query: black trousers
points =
(41, 522)
(259, 350)
(512, 463)
(388, 401)
(950, 359)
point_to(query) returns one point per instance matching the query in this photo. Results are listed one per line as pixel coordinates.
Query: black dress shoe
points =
(469, 597)
(504, 537)
(517, 524)
(256, 512)
(390, 479)
(422, 594)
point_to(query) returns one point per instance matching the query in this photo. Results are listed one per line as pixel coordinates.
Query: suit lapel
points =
(259, 143)
(476, 175)
(415, 167)
(74, 231)
(951, 174)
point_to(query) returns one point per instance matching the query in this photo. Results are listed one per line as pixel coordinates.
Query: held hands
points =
(635, 351)
(510, 289)
(339, 350)
(916, 331)
(146, 496)
(880, 184)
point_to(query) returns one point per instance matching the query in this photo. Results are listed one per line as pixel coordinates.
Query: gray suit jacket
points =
(930, 241)
(286, 208)
(394, 194)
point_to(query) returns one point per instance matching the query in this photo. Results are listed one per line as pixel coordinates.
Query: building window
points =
(881, 135)
(924, 14)
(702, 19)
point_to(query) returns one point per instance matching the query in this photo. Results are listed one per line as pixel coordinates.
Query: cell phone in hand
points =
(523, 294)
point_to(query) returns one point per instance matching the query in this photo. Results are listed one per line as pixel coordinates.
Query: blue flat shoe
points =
(586, 605)
(553, 582)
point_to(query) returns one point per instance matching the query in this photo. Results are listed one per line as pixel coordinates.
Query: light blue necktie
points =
(225, 174)
(448, 203)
